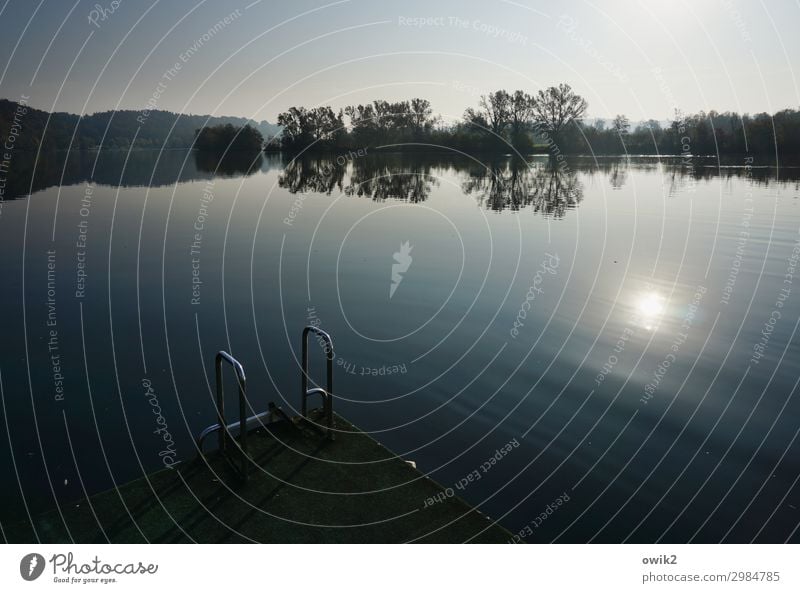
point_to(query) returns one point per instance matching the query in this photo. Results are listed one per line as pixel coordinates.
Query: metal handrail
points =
(260, 419)
(224, 429)
(255, 420)
(327, 394)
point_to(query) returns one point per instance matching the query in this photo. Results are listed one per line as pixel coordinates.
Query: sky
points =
(255, 59)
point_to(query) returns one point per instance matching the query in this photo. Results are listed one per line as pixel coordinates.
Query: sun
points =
(650, 306)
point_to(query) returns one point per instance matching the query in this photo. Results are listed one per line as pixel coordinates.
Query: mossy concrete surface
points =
(301, 488)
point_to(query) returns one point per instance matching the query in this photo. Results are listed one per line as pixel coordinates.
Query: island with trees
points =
(552, 121)
(229, 138)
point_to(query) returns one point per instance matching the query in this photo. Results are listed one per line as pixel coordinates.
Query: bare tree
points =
(493, 112)
(556, 107)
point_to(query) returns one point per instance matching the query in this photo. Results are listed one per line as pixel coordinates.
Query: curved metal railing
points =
(327, 394)
(221, 427)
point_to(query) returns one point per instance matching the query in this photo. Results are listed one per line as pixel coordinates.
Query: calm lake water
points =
(628, 326)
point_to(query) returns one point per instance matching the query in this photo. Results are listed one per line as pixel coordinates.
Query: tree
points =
(295, 123)
(319, 126)
(421, 116)
(621, 125)
(384, 122)
(520, 116)
(388, 115)
(229, 138)
(556, 107)
(493, 113)
(475, 118)
(363, 123)
(654, 125)
(326, 125)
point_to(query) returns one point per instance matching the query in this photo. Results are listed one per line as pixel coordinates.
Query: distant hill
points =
(153, 128)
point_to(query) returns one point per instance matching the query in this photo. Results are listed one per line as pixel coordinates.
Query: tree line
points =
(551, 120)
(500, 122)
(699, 134)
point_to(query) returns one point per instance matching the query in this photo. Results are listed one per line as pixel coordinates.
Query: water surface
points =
(628, 326)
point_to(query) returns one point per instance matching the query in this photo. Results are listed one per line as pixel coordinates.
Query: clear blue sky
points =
(726, 55)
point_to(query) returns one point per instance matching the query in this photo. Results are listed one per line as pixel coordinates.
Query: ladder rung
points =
(233, 426)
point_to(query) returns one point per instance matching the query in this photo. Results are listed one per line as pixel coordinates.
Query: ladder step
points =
(233, 428)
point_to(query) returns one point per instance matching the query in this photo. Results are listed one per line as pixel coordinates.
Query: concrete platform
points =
(304, 489)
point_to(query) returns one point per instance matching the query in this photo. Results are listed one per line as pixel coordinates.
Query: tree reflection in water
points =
(378, 178)
(313, 174)
(550, 188)
(382, 179)
(514, 184)
(231, 164)
(501, 185)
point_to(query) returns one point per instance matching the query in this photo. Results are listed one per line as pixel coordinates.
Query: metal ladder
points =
(327, 394)
(225, 430)
(246, 423)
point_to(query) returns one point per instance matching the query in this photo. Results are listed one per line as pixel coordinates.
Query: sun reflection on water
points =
(649, 309)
